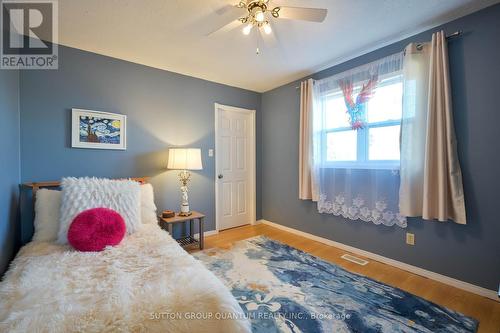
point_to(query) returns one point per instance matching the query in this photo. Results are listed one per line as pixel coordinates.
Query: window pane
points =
(384, 143)
(336, 115)
(386, 103)
(341, 146)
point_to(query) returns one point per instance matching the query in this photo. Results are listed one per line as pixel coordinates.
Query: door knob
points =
(220, 176)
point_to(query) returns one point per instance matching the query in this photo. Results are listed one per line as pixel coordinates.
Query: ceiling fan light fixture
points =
(276, 12)
(247, 29)
(267, 28)
(259, 16)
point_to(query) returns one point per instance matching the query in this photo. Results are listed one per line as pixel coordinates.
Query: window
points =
(376, 146)
(353, 171)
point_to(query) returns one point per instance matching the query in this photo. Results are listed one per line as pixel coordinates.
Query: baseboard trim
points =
(206, 233)
(491, 294)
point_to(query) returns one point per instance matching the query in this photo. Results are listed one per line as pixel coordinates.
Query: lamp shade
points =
(184, 159)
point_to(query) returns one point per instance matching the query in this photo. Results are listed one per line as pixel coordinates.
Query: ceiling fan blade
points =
(304, 14)
(225, 16)
(228, 27)
(229, 9)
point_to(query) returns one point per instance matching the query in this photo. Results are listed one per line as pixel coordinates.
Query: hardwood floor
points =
(483, 309)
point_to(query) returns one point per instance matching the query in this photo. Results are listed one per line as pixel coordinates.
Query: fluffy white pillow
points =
(79, 194)
(148, 207)
(47, 207)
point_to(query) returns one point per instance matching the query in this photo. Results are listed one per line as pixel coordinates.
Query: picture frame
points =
(98, 130)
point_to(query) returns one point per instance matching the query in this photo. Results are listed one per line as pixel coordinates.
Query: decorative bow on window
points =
(356, 110)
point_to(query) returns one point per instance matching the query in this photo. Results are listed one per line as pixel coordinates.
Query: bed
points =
(146, 283)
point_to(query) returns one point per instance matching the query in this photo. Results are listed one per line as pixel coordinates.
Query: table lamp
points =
(184, 159)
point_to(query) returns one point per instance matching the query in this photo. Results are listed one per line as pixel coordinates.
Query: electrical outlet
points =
(410, 238)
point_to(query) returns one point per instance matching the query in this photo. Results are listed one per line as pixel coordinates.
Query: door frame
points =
(253, 161)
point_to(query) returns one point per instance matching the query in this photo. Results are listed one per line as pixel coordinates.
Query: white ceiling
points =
(171, 35)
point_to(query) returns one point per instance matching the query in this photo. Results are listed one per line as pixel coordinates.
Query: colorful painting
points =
(101, 130)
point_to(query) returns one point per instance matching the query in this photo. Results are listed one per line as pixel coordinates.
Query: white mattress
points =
(147, 283)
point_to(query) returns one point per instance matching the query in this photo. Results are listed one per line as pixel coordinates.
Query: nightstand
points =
(187, 240)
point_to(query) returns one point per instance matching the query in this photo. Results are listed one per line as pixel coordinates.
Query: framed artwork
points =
(98, 130)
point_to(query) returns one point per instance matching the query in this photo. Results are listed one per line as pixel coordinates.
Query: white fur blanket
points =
(147, 283)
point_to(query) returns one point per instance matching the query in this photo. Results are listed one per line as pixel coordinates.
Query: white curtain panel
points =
(352, 190)
(307, 188)
(431, 178)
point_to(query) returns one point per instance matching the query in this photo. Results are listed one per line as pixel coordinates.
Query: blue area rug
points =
(282, 289)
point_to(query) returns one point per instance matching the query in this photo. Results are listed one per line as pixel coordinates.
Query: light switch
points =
(210, 153)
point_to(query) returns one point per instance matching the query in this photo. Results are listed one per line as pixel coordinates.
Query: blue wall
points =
(164, 109)
(470, 253)
(9, 165)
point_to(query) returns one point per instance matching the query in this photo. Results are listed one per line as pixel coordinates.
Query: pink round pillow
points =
(94, 229)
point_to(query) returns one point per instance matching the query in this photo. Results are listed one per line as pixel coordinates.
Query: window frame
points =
(362, 135)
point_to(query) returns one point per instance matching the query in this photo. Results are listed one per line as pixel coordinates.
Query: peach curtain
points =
(307, 190)
(431, 178)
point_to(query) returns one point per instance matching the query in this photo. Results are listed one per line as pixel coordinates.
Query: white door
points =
(235, 166)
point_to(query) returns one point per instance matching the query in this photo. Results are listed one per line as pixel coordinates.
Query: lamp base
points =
(184, 177)
(185, 211)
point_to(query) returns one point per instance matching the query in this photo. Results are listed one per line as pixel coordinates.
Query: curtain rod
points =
(455, 34)
(450, 36)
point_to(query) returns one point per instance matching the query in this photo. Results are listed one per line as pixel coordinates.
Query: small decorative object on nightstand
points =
(184, 159)
(187, 240)
(168, 213)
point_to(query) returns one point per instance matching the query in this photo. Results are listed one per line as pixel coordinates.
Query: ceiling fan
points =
(259, 13)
